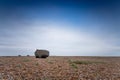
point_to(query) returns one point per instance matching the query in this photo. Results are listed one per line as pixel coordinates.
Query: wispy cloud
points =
(60, 39)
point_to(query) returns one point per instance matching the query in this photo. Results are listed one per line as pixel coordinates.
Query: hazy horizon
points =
(64, 27)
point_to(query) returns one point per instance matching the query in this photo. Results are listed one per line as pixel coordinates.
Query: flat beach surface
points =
(60, 68)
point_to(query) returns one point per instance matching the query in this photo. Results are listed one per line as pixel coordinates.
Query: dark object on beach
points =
(19, 55)
(28, 55)
(41, 53)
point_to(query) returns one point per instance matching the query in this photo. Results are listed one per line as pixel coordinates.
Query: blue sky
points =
(64, 27)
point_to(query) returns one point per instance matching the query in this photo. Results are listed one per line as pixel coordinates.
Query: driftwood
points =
(41, 53)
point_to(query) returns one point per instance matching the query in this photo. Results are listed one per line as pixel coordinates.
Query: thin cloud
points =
(59, 40)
